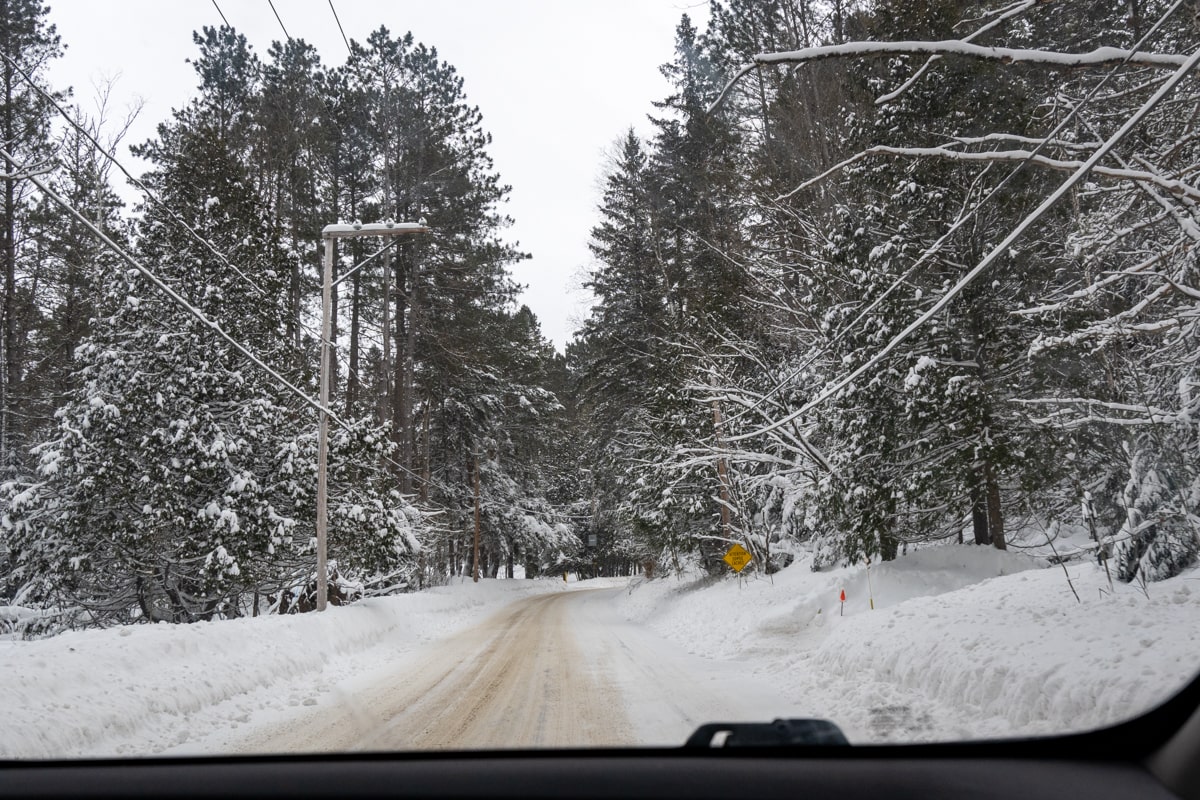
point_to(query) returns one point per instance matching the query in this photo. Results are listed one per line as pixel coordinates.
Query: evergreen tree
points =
(28, 43)
(177, 484)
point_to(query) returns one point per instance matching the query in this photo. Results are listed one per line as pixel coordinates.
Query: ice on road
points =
(559, 670)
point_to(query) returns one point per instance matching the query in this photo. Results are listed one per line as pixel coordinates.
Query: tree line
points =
(791, 344)
(151, 470)
(805, 333)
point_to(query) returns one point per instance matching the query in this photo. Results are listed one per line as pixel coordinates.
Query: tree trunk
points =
(994, 514)
(401, 423)
(722, 473)
(385, 369)
(1135, 19)
(425, 460)
(11, 376)
(475, 568)
(979, 516)
(406, 395)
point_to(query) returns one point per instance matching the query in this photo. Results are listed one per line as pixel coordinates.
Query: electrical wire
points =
(168, 291)
(215, 327)
(146, 190)
(129, 176)
(271, 3)
(341, 30)
(997, 252)
(934, 248)
(222, 13)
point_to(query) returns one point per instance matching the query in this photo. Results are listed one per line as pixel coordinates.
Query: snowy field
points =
(963, 642)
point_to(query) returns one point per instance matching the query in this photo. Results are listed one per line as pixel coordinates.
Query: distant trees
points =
(784, 348)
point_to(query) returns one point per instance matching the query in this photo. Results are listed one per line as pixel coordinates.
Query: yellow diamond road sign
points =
(737, 557)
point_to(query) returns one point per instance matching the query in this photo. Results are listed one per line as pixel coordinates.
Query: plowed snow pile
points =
(963, 641)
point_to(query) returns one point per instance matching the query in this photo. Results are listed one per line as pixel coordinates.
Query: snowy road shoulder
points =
(152, 689)
(963, 642)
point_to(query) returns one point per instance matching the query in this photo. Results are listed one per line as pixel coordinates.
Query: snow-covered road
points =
(962, 642)
(558, 670)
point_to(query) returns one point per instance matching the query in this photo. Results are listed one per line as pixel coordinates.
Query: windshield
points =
(577, 374)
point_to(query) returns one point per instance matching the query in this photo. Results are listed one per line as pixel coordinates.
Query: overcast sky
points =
(557, 83)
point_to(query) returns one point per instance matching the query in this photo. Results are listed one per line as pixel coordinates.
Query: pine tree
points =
(28, 43)
(180, 479)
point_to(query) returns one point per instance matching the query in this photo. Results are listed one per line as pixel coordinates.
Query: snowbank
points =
(149, 688)
(964, 642)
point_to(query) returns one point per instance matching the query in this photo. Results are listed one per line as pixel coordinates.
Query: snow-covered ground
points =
(147, 689)
(963, 642)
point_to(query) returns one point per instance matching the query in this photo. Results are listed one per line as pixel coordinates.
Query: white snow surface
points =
(149, 689)
(963, 642)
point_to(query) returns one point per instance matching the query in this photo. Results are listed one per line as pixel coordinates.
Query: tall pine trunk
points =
(11, 377)
(400, 422)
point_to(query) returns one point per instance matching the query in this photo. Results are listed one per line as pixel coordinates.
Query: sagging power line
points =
(271, 3)
(968, 215)
(341, 30)
(995, 253)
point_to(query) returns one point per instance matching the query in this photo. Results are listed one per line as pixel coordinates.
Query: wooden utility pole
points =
(329, 233)
(475, 566)
(387, 338)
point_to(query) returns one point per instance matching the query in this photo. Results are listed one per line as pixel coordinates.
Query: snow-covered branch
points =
(1016, 9)
(1100, 57)
(1078, 412)
(1171, 185)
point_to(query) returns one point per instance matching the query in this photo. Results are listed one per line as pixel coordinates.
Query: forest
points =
(884, 273)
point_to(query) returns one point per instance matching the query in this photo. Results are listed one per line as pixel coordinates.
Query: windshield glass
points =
(576, 374)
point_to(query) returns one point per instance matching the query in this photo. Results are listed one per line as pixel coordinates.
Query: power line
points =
(146, 190)
(163, 286)
(997, 252)
(175, 297)
(970, 214)
(271, 3)
(129, 176)
(222, 13)
(341, 30)
(167, 290)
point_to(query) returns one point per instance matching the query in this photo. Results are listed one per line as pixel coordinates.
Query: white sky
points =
(557, 83)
